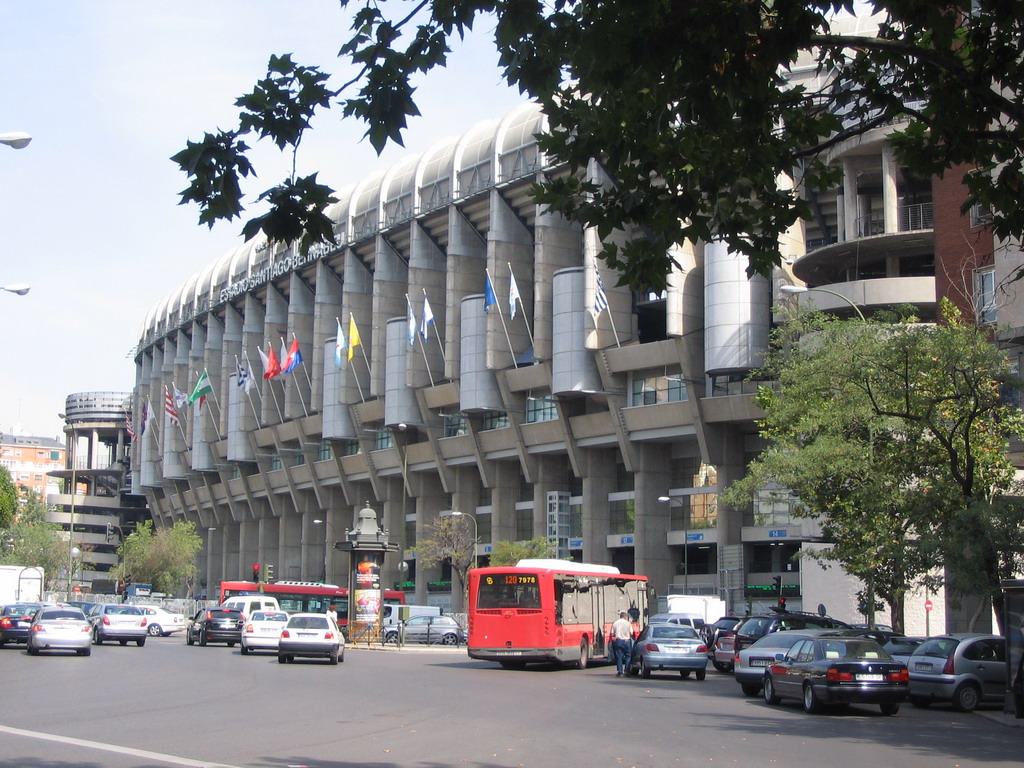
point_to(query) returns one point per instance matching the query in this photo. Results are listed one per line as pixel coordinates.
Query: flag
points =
(283, 357)
(353, 336)
(180, 398)
(294, 357)
(339, 343)
(128, 426)
(271, 367)
(428, 317)
(144, 420)
(169, 407)
(513, 293)
(203, 388)
(600, 297)
(410, 321)
(490, 300)
(243, 379)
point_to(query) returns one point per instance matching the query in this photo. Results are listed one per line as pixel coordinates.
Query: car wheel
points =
(85, 652)
(31, 649)
(684, 673)
(390, 637)
(155, 630)
(645, 669)
(202, 637)
(749, 689)
(889, 708)
(700, 674)
(280, 659)
(966, 697)
(920, 702)
(333, 656)
(584, 655)
(231, 643)
(450, 640)
(721, 666)
(341, 656)
(811, 704)
(140, 642)
(123, 642)
(243, 649)
(189, 640)
(97, 638)
(768, 691)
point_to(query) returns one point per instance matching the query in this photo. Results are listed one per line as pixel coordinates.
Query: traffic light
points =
(778, 584)
(255, 571)
(268, 572)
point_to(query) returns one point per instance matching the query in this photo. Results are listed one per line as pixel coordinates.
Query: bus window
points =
(509, 590)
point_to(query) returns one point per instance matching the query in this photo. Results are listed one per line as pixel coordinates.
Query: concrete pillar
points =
(890, 190)
(598, 481)
(652, 479)
(850, 201)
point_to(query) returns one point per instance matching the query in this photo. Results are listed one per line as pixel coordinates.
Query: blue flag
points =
(490, 300)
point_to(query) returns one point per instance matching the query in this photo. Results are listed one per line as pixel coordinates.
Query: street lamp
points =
(327, 529)
(476, 530)
(72, 549)
(209, 560)
(15, 139)
(686, 539)
(792, 290)
(19, 288)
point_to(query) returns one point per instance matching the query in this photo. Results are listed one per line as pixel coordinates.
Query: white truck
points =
(711, 609)
(20, 584)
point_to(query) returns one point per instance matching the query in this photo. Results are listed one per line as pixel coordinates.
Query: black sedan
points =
(215, 625)
(15, 620)
(838, 670)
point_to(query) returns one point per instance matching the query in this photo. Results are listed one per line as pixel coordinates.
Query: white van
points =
(392, 614)
(249, 603)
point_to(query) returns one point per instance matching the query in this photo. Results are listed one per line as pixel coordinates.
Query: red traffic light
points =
(255, 566)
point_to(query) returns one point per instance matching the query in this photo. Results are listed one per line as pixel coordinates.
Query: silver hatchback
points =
(963, 669)
(112, 621)
(59, 627)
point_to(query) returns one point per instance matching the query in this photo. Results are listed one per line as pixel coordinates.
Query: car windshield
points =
(940, 648)
(667, 631)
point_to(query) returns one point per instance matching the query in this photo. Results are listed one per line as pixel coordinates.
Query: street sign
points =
(77, 590)
(927, 605)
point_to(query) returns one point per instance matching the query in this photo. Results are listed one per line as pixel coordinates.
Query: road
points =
(169, 704)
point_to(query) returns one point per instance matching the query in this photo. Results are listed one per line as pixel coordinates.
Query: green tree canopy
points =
(164, 558)
(896, 437)
(511, 552)
(698, 125)
(8, 498)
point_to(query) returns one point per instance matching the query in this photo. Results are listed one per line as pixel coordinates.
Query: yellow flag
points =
(353, 336)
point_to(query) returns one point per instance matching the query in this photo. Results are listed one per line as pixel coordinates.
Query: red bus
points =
(303, 596)
(549, 611)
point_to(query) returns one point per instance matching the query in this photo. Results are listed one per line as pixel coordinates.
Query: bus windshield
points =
(509, 590)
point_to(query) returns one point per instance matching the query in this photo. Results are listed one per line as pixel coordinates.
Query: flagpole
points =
(504, 327)
(177, 416)
(351, 369)
(526, 320)
(245, 389)
(309, 381)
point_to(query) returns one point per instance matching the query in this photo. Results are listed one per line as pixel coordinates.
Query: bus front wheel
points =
(584, 655)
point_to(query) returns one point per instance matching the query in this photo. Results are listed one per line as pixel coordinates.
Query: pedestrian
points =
(332, 612)
(622, 643)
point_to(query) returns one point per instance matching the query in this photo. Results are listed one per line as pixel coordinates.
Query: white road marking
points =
(172, 759)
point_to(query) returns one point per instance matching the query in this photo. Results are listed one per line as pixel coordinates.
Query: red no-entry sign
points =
(927, 605)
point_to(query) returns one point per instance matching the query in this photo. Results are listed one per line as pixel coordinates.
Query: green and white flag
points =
(203, 388)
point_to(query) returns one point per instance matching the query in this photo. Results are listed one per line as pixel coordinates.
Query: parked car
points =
(900, 647)
(311, 634)
(59, 627)
(215, 625)
(710, 632)
(751, 663)
(831, 669)
(669, 646)
(428, 629)
(113, 621)
(752, 628)
(15, 620)
(161, 621)
(964, 669)
(263, 631)
(680, 619)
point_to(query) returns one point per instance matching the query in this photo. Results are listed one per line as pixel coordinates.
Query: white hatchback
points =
(263, 631)
(311, 634)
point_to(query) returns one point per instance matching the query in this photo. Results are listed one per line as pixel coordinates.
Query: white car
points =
(263, 630)
(311, 634)
(161, 622)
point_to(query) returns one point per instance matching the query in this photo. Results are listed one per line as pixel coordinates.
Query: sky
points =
(109, 90)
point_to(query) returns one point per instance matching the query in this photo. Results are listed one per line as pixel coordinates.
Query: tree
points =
(164, 558)
(895, 436)
(687, 107)
(449, 540)
(35, 543)
(8, 498)
(511, 552)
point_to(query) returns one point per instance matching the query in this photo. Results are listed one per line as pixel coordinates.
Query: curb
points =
(1005, 719)
(411, 648)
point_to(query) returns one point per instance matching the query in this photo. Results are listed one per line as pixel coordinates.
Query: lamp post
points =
(15, 139)
(793, 290)
(19, 288)
(327, 531)
(686, 540)
(209, 560)
(74, 491)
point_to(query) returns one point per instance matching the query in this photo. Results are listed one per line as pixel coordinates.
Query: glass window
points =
(455, 426)
(524, 524)
(495, 420)
(483, 526)
(540, 409)
(325, 451)
(621, 516)
(985, 296)
(509, 590)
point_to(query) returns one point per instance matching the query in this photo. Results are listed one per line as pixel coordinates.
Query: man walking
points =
(622, 643)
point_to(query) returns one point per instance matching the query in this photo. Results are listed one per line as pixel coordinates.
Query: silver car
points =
(112, 621)
(669, 646)
(427, 629)
(310, 634)
(59, 627)
(964, 669)
(751, 662)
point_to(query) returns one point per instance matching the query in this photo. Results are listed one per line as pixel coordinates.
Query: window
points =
(981, 215)
(985, 296)
(645, 391)
(483, 526)
(325, 451)
(495, 420)
(275, 462)
(621, 516)
(348, 448)
(540, 409)
(382, 439)
(524, 524)
(651, 389)
(455, 426)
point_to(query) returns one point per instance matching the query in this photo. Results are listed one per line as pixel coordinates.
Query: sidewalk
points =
(408, 648)
(1003, 718)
